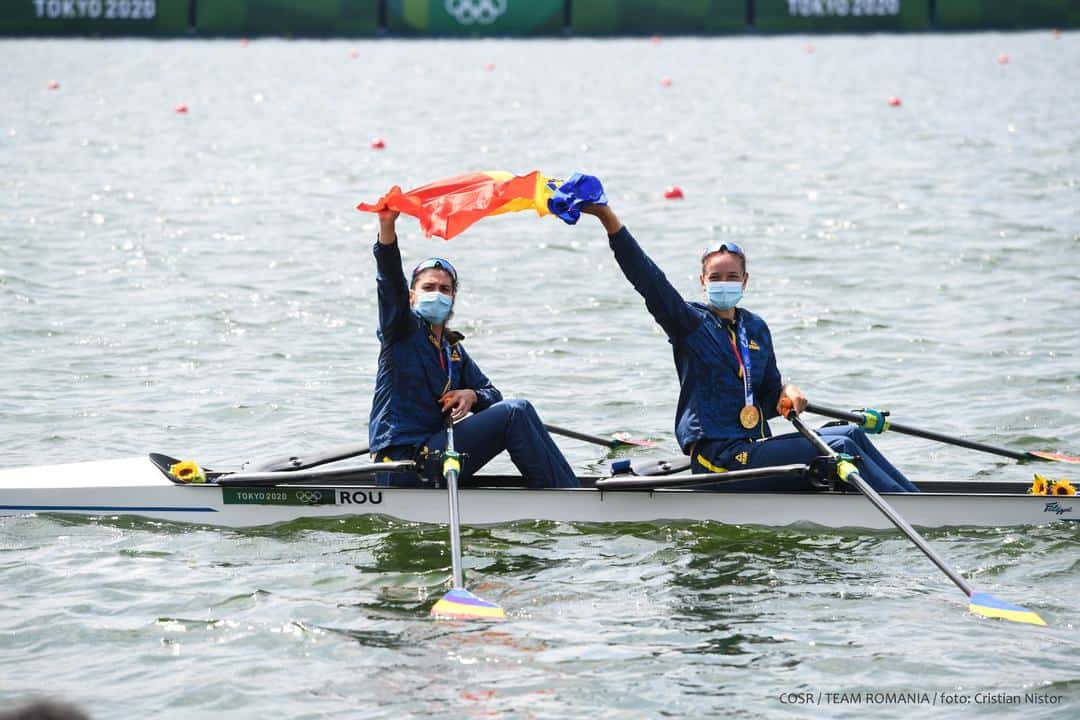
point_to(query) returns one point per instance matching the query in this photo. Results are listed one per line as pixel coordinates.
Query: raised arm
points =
(390, 280)
(662, 300)
(388, 227)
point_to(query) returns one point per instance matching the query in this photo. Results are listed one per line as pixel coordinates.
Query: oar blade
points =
(460, 604)
(989, 606)
(1055, 456)
(626, 439)
(616, 441)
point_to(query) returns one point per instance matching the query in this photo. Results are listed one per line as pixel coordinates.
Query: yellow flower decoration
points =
(187, 471)
(1039, 486)
(1062, 487)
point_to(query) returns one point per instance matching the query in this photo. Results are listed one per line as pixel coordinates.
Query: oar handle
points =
(849, 474)
(860, 418)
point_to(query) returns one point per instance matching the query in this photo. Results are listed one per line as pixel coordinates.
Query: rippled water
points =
(198, 284)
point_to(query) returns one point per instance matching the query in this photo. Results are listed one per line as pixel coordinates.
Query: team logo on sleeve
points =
(742, 457)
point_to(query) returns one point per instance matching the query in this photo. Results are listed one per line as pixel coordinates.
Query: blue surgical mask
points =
(434, 306)
(724, 294)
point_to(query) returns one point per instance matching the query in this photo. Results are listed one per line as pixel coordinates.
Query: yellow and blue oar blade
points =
(989, 606)
(460, 604)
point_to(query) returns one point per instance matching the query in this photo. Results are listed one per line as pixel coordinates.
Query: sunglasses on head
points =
(437, 264)
(729, 247)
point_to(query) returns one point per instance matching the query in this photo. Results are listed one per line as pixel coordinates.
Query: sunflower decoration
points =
(187, 471)
(1039, 486)
(1062, 487)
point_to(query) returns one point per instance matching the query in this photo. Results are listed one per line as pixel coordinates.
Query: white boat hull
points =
(136, 487)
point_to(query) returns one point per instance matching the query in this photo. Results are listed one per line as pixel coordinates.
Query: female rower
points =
(424, 374)
(729, 383)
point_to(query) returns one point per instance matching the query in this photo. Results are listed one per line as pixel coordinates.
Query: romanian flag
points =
(448, 207)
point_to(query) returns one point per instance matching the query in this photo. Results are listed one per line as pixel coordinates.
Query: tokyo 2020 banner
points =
(94, 17)
(475, 17)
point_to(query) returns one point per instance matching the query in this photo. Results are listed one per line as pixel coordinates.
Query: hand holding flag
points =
(448, 207)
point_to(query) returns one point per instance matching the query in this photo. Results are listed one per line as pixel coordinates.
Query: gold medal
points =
(749, 417)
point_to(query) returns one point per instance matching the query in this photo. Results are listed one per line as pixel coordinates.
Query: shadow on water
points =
(124, 522)
(369, 638)
(412, 632)
(350, 525)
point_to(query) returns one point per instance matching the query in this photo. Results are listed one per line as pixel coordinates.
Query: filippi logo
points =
(1056, 508)
(483, 12)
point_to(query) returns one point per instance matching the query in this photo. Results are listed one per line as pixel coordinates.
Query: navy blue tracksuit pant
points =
(511, 425)
(714, 455)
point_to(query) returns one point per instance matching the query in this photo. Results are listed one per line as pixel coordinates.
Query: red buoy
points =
(894, 101)
(1056, 33)
(489, 67)
(181, 108)
(1003, 59)
(655, 39)
(674, 192)
(378, 144)
(54, 85)
(809, 49)
(354, 54)
(243, 42)
(665, 81)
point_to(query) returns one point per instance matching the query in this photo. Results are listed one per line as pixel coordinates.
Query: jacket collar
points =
(451, 336)
(740, 314)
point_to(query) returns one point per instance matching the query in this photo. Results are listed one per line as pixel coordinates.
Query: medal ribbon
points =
(449, 366)
(742, 354)
(445, 362)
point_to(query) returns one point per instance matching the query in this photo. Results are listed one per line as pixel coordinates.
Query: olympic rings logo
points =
(308, 497)
(468, 12)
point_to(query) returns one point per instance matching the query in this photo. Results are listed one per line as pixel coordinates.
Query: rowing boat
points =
(142, 487)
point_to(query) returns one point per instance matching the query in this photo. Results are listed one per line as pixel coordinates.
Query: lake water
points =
(199, 284)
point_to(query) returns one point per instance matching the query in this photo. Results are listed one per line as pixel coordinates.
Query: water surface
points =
(198, 284)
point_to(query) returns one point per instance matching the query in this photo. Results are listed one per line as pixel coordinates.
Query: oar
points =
(615, 442)
(292, 462)
(876, 422)
(459, 602)
(296, 461)
(978, 603)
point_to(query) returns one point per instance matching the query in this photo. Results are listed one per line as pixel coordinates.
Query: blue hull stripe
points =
(107, 508)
